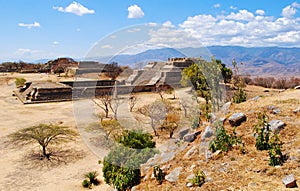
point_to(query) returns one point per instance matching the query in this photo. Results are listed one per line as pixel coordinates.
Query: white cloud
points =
(78, 29)
(134, 30)
(217, 5)
(75, 8)
(55, 43)
(168, 24)
(289, 11)
(242, 28)
(135, 11)
(242, 15)
(29, 26)
(260, 12)
(233, 7)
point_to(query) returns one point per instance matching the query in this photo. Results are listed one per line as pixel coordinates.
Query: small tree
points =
(20, 82)
(171, 123)
(44, 135)
(132, 102)
(104, 102)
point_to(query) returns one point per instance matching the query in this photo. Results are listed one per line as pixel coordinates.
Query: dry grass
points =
(249, 171)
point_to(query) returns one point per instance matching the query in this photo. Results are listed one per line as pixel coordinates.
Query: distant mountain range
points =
(256, 60)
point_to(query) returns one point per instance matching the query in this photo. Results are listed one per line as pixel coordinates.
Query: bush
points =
(158, 174)
(20, 82)
(267, 140)
(224, 141)
(121, 165)
(239, 96)
(199, 178)
(86, 183)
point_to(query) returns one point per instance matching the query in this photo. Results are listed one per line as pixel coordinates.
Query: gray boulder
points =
(183, 132)
(207, 133)
(173, 175)
(276, 125)
(237, 119)
(191, 152)
(189, 137)
(225, 107)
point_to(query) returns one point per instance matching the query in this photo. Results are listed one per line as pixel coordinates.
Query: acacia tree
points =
(44, 135)
(132, 102)
(104, 102)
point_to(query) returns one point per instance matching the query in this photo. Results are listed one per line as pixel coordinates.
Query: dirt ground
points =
(16, 172)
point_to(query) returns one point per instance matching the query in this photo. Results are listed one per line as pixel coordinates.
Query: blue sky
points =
(37, 29)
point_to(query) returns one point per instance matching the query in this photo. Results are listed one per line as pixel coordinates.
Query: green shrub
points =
(20, 82)
(158, 174)
(224, 141)
(91, 176)
(262, 132)
(267, 140)
(121, 167)
(86, 183)
(239, 96)
(199, 178)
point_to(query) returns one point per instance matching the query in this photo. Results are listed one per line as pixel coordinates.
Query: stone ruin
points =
(153, 75)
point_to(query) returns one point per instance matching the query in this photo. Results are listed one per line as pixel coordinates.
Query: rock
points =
(134, 189)
(207, 133)
(275, 111)
(191, 152)
(189, 184)
(213, 118)
(189, 137)
(276, 125)
(256, 98)
(222, 120)
(297, 110)
(237, 119)
(225, 107)
(289, 181)
(189, 177)
(173, 176)
(297, 87)
(183, 132)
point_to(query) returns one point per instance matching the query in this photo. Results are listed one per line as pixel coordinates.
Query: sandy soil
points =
(19, 173)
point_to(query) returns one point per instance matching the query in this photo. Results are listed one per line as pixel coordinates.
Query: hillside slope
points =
(235, 170)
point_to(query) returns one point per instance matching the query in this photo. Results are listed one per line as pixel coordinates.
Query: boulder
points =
(207, 133)
(191, 152)
(289, 181)
(297, 87)
(297, 110)
(189, 137)
(237, 119)
(225, 107)
(276, 125)
(183, 132)
(173, 175)
(256, 98)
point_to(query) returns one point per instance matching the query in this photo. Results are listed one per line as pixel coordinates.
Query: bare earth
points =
(16, 172)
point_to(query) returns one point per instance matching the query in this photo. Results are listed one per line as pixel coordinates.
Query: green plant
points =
(224, 141)
(158, 174)
(121, 167)
(275, 154)
(262, 132)
(91, 176)
(20, 82)
(239, 96)
(267, 140)
(199, 178)
(86, 183)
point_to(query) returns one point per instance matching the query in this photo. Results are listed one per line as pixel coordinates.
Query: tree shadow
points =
(57, 157)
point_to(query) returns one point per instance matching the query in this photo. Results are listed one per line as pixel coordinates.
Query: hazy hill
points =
(256, 60)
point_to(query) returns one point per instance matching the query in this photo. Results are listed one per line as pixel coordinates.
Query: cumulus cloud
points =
(241, 27)
(31, 25)
(75, 8)
(135, 11)
(233, 7)
(168, 24)
(260, 12)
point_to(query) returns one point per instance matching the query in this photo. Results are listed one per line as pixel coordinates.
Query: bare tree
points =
(44, 135)
(104, 102)
(156, 111)
(132, 102)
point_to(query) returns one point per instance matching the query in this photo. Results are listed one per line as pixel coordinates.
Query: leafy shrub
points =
(276, 156)
(158, 174)
(199, 178)
(262, 132)
(20, 82)
(121, 165)
(86, 183)
(224, 141)
(90, 179)
(267, 140)
(239, 96)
